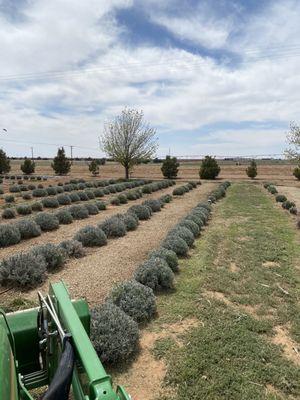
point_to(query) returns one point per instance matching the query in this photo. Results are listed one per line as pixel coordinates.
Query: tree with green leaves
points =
(209, 168)
(128, 139)
(4, 162)
(170, 167)
(28, 166)
(94, 167)
(251, 171)
(61, 164)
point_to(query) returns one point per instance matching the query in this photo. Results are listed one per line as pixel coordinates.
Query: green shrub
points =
(51, 191)
(90, 194)
(100, 205)
(9, 213)
(78, 211)
(91, 236)
(272, 189)
(170, 167)
(196, 219)
(26, 196)
(54, 256)
(64, 217)
(212, 199)
(92, 209)
(168, 255)
(131, 195)
(9, 198)
(24, 209)
(155, 205)
(37, 206)
(156, 274)
(135, 299)
(83, 196)
(115, 201)
(176, 244)
(113, 227)
(288, 204)
(64, 199)
(4, 162)
(25, 270)
(59, 190)
(28, 166)
(183, 233)
(201, 214)
(99, 192)
(251, 171)
(296, 173)
(205, 205)
(50, 202)
(28, 228)
(293, 210)
(167, 198)
(115, 335)
(179, 191)
(46, 221)
(192, 226)
(23, 188)
(39, 193)
(209, 168)
(14, 189)
(280, 198)
(74, 197)
(31, 186)
(122, 198)
(142, 212)
(147, 189)
(111, 189)
(131, 221)
(73, 248)
(9, 235)
(61, 165)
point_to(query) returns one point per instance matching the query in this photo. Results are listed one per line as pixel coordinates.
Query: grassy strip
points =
(240, 283)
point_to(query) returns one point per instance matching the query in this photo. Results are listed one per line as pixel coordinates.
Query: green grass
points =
(230, 355)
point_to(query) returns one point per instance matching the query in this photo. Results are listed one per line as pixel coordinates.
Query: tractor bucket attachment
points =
(50, 346)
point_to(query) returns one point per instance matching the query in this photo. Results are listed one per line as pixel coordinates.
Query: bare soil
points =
(289, 347)
(277, 171)
(144, 378)
(93, 276)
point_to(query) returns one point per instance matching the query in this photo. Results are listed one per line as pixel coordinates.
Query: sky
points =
(217, 77)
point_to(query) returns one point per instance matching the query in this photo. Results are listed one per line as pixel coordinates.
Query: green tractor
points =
(49, 347)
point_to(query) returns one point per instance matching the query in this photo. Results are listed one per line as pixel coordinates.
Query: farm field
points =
(231, 328)
(279, 171)
(94, 275)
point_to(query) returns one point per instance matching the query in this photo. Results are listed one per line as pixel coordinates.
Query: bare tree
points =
(293, 138)
(128, 139)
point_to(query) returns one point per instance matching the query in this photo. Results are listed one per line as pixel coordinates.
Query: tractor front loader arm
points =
(90, 381)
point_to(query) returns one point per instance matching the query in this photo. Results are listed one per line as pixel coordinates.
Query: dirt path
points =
(93, 276)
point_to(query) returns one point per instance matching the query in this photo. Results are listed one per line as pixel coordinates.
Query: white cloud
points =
(178, 90)
(196, 29)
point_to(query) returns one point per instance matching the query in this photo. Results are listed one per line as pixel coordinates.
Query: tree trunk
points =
(126, 172)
